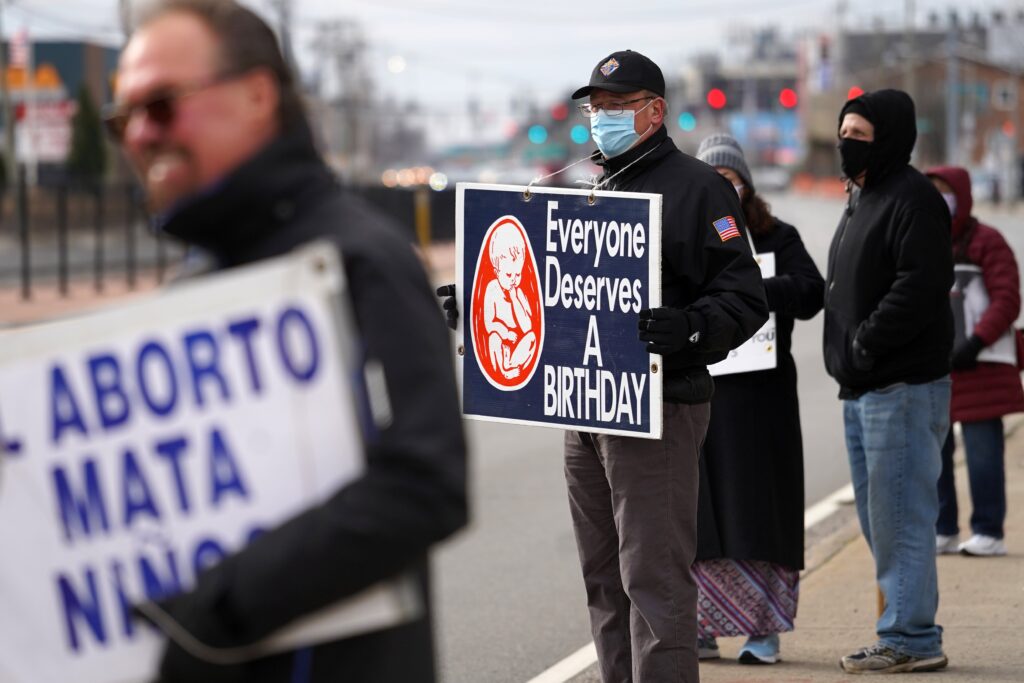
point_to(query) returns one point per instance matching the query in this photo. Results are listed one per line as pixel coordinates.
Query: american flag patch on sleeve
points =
(726, 228)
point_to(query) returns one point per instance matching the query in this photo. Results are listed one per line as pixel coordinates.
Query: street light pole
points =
(952, 88)
(909, 37)
(8, 111)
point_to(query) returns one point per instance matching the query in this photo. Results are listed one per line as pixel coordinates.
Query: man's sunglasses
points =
(160, 108)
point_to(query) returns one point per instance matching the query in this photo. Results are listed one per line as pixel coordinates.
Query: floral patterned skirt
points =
(745, 598)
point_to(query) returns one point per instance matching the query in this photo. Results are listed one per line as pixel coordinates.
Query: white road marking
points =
(586, 656)
(569, 667)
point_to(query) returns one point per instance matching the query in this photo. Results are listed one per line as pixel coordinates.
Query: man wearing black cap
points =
(634, 501)
(888, 339)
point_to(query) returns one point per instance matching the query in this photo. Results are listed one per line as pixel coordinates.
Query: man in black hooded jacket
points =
(888, 338)
(208, 115)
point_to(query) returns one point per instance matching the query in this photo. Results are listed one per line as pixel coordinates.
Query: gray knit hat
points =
(721, 149)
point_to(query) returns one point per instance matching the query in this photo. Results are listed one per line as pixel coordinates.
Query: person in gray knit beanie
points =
(741, 550)
(722, 149)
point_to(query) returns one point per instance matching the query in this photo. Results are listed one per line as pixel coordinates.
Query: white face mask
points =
(950, 202)
(739, 190)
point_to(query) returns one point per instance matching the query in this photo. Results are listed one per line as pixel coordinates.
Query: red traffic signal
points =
(716, 98)
(788, 98)
(854, 92)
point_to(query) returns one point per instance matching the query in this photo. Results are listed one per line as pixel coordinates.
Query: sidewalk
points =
(981, 604)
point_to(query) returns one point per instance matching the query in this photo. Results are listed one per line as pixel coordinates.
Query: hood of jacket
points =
(960, 181)
(892, 114)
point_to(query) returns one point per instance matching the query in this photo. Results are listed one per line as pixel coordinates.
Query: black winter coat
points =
(751, 501)
(890, 270)
(413, 493)
(715, 281)
(890, 266)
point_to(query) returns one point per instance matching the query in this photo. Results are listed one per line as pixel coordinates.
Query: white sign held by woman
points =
(758, 352)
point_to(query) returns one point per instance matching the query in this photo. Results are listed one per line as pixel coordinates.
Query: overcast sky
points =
(454, 50)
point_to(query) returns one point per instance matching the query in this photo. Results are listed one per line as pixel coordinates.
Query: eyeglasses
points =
(161, 108)
(613, 109)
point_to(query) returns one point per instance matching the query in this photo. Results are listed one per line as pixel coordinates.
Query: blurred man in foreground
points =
(208, 115)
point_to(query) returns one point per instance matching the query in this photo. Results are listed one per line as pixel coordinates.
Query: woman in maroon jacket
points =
(982, 391)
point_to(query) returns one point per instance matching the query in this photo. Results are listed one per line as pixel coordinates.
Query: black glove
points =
(665, 330)
(204, 623)
(862, 360)
(965, 354)
(450, 305)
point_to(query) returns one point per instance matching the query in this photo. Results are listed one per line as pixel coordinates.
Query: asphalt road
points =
(510, 598)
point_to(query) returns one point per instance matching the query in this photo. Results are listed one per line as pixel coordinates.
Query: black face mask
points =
(854, 155)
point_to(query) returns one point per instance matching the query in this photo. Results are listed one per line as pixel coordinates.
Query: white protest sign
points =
(970, 300)
(758, 352)
(142, 443)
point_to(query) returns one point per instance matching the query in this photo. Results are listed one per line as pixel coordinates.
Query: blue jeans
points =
(983, 446)
(894, 439)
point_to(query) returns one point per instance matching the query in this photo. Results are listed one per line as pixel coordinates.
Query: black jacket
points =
(716, 282)
(751, 501)
(890, 267)
(413, 493)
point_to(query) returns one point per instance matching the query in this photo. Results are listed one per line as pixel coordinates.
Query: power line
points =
(483, 14)
(45, 16)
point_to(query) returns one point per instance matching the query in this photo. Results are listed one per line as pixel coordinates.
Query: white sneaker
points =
(984, 546)
(947, 545)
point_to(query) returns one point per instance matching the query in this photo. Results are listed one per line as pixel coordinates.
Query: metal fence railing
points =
(61, 234)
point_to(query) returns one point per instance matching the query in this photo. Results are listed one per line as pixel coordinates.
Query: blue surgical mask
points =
(615, 134)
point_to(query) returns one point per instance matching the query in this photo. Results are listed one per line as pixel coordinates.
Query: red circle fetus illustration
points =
(507, 318)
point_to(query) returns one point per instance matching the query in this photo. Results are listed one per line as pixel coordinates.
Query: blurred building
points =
(965, 75)
(750, 91)
(43, 84)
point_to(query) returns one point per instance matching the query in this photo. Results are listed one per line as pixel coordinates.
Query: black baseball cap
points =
(624, 71)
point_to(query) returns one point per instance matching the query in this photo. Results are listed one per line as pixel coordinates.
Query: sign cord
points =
(526, 193)
(224, 656)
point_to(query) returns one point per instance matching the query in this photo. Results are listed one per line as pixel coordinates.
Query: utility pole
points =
(125, 10)
(8, 111)
(909, 59)
(284, 29)
(952, 88)
(341, 42)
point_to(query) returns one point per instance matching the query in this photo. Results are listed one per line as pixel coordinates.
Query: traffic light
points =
(560, 111)
(537, 134)
(580, 134)
(687, 122)
(788, 98)
(854, 92)
(716, 98)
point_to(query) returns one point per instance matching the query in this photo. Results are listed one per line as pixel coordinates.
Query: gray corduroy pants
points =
(634, 511)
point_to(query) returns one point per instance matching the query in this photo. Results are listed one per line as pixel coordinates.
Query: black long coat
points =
(413, 492)
(751, 502)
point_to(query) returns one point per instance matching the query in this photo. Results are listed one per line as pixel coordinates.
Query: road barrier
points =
(68, 231)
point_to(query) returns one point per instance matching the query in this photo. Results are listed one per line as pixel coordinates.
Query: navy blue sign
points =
(550, 289)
